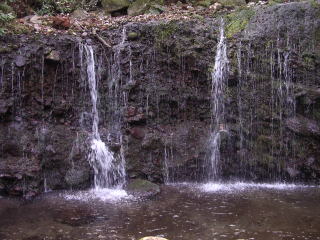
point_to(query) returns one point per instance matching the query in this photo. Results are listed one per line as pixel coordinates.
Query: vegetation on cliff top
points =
(74, 16)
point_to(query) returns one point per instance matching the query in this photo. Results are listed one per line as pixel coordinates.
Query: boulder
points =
(142, 188)
(140, 7)
(80, 14)
(53, 56)
(303, 126)
(114, 5)
(77, 177)
(20, 61)
(137, 132)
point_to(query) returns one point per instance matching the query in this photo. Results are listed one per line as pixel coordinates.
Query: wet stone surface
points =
(178, 212)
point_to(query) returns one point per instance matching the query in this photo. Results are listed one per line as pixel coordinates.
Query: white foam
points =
(102, 194)
(242, 186)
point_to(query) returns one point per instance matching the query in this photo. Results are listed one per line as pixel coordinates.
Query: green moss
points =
(133, 36)
(315, 4)
(5, 49)
(197, 16)
(232, 3)
(237, 21)
(317, 34)
(16, 28)
(5, 8)
(204, 3)
(165, 31)
(274, 2)
(52, 7)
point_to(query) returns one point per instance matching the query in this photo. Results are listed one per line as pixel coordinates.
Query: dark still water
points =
(189, 212)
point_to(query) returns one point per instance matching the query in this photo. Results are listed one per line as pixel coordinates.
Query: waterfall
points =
(168, 160)
(107, 172)
(116, 97)
(219, 78)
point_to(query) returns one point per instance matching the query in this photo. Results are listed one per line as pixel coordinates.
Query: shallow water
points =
(183, 211)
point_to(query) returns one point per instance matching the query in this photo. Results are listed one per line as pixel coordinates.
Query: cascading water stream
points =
(107, 172)
(219, 78)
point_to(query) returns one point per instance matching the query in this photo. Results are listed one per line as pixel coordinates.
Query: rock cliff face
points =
(155, 96)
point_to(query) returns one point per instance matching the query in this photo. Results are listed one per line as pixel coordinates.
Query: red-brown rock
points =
(137, 132)
(59, 22)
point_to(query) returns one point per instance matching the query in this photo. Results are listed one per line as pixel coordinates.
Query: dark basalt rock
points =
(164, 102)
(142, 188)
(304, 126)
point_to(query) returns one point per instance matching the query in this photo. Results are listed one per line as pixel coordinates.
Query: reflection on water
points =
(206, 212)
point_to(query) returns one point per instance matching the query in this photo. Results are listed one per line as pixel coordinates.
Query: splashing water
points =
(107, 173)
(248, 186)
(219, 78)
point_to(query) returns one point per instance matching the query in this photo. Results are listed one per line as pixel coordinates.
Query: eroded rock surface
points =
(161, 103)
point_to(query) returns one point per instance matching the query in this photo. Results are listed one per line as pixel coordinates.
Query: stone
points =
(155, 10)
(232, 3)
(59, 22)
(131, 111)
(216, 6)
(138, 118)
(50, 149)
(53, 56)
(132, 36)
(5, 49)
(205, 3)
(303, 126)
(114, 5)
(153, 238)
(6, 106)
(76, 177)
(35, 19)
(79, 14)
(142, 188)
(140, 7)
(293, 172)
(137, 132)
(20, 61)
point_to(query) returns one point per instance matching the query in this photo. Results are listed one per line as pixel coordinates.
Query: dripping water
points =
(168, 175)
(218, 125)
(240, 105)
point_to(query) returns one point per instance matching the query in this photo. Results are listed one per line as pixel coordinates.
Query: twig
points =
(94, 32)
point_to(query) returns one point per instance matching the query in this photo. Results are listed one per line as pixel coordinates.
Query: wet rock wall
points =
(155, 101)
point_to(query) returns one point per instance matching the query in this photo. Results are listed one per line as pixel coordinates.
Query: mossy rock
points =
(205, 3)
(133, 36)
(142, 188)
(140, 7)
(165, 31)
(155, 10)
(114, 5)
(237, 21)
(5, 49)
(232, 3)
(77, 177)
